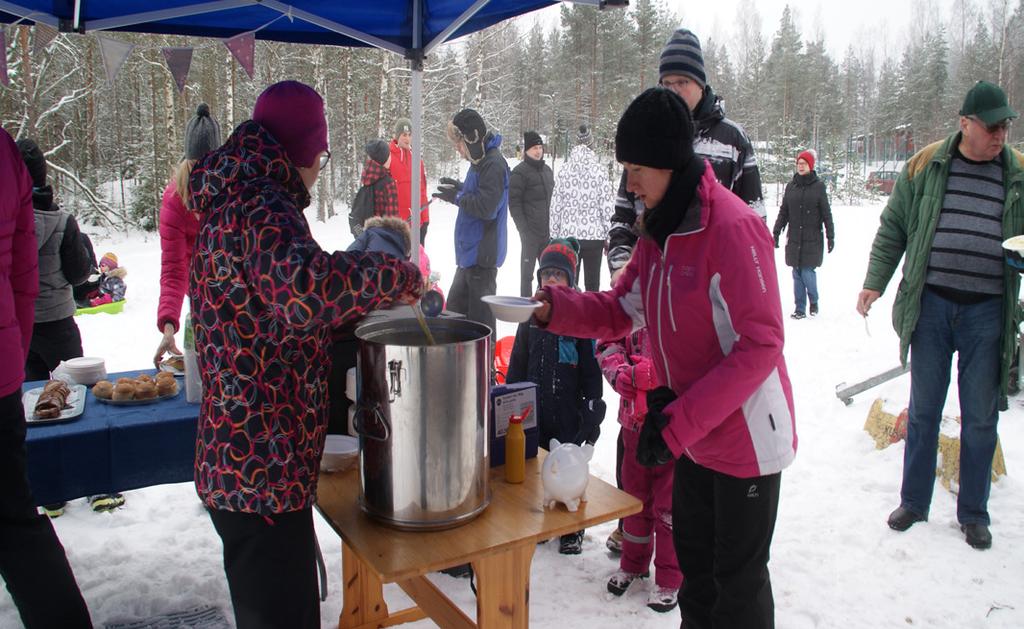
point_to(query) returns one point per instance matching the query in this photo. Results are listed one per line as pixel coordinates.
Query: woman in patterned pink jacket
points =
(264, 298)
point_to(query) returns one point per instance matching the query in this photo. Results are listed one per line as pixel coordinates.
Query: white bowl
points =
(340, 453)
(509, 308)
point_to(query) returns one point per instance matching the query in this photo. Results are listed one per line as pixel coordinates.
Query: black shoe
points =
(798, 315)
(902, 519)
(571, 544)
(814, 310)
(978, 535)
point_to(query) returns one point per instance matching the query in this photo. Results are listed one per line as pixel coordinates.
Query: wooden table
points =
(499, 544)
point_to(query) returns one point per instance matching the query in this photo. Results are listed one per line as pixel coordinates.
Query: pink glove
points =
(644, 378)
(624, 384)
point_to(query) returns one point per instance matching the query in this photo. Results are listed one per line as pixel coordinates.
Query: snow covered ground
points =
(835, 563)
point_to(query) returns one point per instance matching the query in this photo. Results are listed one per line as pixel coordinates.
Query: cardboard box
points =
(508, 400)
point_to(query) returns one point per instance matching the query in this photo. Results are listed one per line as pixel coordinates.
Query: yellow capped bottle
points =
(515, 451)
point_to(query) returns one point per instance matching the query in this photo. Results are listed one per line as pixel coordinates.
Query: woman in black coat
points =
(805, 209)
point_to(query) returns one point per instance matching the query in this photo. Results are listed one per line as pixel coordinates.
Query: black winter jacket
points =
(717, 139)
(805, 208)
(569, 383)
(529, 198)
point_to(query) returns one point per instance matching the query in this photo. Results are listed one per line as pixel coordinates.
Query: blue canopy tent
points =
(412, 28)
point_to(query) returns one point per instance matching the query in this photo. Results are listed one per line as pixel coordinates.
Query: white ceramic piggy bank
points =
(566, 473)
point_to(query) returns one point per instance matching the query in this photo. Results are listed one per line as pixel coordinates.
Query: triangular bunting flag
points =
(243, 47)
(44, 35)
(3, 58)
(114, 53)
(178, 62)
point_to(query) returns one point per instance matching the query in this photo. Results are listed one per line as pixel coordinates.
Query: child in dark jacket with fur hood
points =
(565, 369)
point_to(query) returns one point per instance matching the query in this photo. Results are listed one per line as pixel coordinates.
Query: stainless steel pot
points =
(421, 417)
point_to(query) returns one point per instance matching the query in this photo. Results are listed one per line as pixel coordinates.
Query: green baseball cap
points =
(987, 101)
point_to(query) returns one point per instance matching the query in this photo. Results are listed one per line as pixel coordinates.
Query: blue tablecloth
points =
(112, 448)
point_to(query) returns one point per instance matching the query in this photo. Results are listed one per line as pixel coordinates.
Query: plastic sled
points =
(113, 307)
(502, 355)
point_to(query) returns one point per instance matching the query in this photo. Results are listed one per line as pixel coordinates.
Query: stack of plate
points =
(86, 370)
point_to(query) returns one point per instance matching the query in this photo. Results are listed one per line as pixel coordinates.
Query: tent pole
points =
(416, 111)
(416, 96)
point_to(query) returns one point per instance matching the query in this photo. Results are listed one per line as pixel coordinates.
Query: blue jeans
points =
(805, 286)
(973, 331)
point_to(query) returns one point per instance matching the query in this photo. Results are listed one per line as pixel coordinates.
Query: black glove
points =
(448, 189)
(591, 415)
(831, 245)
(651, 451)
(776, 241)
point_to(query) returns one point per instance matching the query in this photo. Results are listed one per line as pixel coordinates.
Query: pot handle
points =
(377, 419)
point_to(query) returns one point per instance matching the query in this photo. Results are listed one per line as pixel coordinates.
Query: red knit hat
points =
(109, 259)
(294, 114)
(807, 156)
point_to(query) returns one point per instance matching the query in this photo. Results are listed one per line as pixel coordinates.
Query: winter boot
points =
(105, 502)
(571, 544)
(798, 315)
(662, 600)
(814, 310)
(55, 510)
(621, 580)
(462, 571)
(614, 542)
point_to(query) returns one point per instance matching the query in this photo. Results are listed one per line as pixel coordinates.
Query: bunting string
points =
(114, 52)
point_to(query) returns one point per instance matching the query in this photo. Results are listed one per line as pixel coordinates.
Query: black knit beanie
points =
(531, 139)
(655, 131)
(35, 161)
(202, 133)
(378, 151)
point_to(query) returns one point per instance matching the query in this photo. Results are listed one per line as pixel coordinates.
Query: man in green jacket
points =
(952, 206)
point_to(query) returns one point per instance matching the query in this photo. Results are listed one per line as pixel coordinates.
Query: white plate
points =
(511, 308)
(178, 373)
(340, 452)
(151, 400)
(73, 408)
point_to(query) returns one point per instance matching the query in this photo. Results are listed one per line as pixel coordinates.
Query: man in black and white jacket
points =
(716, 138)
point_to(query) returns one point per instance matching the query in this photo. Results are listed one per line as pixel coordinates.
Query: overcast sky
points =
(883, 23)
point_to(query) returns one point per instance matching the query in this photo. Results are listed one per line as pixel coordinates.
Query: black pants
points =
(271, 568)
(469, 285)
(344, 354)
(531, 250)
(52, 342)
(423, 234)
(722, 529)
(32, 560)
(591, 252)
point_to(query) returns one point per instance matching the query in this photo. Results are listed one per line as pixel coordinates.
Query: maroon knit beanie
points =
(294, 114)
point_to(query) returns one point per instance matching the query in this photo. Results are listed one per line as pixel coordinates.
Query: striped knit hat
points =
(584, 136)
(682, 55)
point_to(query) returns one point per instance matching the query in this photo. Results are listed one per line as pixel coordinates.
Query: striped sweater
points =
(966, 257)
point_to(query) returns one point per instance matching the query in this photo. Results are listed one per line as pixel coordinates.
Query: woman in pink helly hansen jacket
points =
(711, 305)
(702, 280)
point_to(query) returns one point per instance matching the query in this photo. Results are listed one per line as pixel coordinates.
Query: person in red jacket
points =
(401, 170)
(179, 225)
(264, 298)
(702, 280)
(32, 560)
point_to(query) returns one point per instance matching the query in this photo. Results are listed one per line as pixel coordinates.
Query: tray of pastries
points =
(54, 402)
(142, 389)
